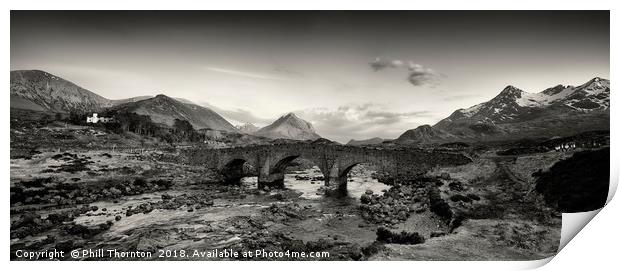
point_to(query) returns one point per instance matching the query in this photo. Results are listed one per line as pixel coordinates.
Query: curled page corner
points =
(531, 265)
(573, 223)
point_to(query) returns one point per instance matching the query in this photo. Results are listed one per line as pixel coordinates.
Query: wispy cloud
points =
(246, 74)
(418, 75)
(239, 116)
(380, 64)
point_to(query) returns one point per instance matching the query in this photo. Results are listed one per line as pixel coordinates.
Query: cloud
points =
(245, 74)
(360, 121)
(350, 121)
(379, 64)
(385, 117)
(418, 75)
(239, 116)
(422, 76)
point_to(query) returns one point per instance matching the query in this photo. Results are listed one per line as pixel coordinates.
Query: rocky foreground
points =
(101, 200)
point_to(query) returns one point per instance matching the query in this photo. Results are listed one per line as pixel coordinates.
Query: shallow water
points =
(358, 182)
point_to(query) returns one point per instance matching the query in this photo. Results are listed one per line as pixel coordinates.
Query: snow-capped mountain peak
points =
(595, 91)
(510, 90)
(247, 128)
(592, 95)
(514, 113)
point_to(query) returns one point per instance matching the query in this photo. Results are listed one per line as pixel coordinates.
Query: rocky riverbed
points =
(136, 202)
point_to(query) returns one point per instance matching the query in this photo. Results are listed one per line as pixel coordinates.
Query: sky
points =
(353, 75)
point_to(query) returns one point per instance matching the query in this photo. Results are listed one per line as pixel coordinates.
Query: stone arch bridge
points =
(334, 161)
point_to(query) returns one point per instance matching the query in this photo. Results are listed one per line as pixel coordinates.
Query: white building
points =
(95, 119)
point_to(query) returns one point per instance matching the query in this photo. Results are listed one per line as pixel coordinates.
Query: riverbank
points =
(134, 202)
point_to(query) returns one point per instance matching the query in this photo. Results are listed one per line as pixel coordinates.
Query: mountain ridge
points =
(42, 91)
(513, 113)
(289, 126)
(164, 110)
(51, 93)
(370, 141)
(556, 111)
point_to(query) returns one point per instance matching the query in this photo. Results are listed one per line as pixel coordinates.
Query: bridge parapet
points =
(334, 161)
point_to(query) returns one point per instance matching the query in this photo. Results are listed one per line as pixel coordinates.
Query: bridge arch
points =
(233, 170)
(281, 162)
(345, 171)
(334, 161)
(339, 173)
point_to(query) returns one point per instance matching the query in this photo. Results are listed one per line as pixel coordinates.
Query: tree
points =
(77, 117)
(58, 116)
(45, 119)
(183, 127)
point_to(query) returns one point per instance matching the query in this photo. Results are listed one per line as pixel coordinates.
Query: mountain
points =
(423, 134)
(370, 141)
(185, 101)
(131, 100)
(247, 128)
(140, 98)
(514, 113)
(163, 109)
(41, 91)
(289, 126)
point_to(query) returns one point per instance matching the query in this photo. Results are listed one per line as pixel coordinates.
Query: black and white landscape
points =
(204, 135)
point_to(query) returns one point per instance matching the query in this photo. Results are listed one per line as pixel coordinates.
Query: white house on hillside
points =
(95, 119)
